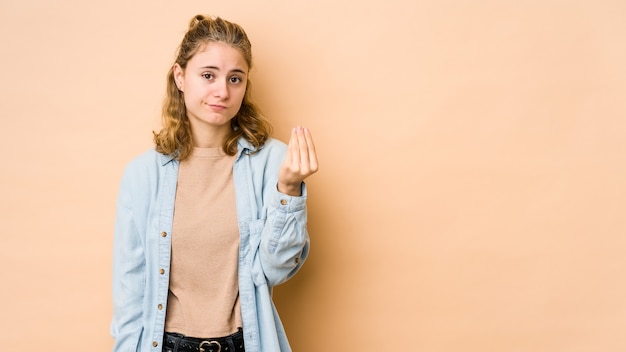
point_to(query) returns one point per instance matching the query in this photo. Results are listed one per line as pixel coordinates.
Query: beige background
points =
(471, 196)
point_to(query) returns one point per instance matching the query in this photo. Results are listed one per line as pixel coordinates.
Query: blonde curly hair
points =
(175, 137)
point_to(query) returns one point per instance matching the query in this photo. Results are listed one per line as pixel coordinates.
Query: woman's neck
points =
(210, 137)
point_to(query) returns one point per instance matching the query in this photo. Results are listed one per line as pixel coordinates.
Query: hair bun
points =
(196, 20)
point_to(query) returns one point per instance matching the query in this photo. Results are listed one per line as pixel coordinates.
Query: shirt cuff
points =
(287, 203)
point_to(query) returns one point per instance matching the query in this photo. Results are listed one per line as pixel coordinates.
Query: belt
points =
(182, 343)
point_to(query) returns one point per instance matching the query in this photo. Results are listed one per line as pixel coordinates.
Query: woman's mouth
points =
(216, 107)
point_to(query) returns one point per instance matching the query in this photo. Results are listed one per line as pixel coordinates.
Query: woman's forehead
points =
(214, 53)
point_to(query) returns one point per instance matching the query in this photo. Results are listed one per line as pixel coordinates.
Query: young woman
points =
(214, 216)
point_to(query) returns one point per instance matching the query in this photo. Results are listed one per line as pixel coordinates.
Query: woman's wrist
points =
(294, 190)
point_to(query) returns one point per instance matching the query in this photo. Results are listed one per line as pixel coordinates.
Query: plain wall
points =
(471, 194)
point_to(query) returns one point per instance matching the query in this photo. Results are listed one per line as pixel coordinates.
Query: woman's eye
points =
(207, 75)
(235, 79)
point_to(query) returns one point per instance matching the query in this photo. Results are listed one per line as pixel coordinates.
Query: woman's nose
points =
(220, 89)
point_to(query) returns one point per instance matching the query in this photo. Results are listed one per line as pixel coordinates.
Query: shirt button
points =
(155, 344)
(297, 260)
(160, 306)
(283, 201)
(163, 234)
(162, 271)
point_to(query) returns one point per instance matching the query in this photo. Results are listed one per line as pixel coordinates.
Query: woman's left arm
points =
(285, 240)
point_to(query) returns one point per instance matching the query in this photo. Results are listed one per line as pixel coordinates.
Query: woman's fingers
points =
(301, 158)
(293, 154)
(311, 150)
(303, 149)
(300, 161)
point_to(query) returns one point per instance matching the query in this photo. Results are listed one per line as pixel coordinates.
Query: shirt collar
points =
(167, 158)
(244, 146)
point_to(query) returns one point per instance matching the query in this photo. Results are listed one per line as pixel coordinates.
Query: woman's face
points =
(213, 86)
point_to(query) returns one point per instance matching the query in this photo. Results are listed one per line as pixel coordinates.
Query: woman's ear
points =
(179, 77)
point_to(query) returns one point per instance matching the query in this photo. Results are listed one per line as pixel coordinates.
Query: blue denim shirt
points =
(273, 245)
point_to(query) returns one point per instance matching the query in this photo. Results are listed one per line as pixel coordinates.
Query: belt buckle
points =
(210, 343)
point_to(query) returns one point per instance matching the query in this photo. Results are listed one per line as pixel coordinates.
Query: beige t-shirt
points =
(203, 298)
